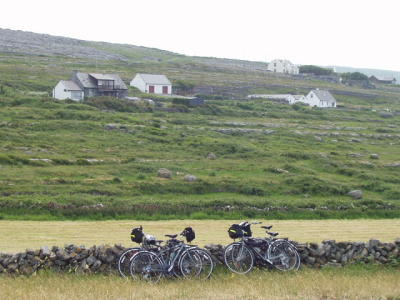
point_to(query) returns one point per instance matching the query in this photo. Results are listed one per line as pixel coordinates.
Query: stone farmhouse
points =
(86, 85)
(283, 66)
(152, 84)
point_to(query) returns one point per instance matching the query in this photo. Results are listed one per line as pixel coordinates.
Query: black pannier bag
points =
(235, 231)
(246, 229)
(137, 235)
(189, 234)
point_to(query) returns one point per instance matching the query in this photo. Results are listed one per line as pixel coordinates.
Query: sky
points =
(356, 33)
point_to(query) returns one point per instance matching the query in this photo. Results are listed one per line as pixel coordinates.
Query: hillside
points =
(99, 159)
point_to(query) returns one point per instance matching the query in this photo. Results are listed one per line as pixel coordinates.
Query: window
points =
(76, 95)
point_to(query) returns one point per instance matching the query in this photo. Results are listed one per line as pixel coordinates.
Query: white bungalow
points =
(67, 89)
(320, 98)
(153, 84)
(283, 66)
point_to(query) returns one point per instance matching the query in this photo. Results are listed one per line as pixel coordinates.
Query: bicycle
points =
(240, 256)
(176, 259)
(137, 236)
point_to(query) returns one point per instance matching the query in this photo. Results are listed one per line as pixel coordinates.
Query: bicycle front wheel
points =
(239, 258)
(146, 265)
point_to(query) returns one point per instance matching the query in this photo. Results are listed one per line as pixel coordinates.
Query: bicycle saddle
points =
(267, 227)
(172, 236)
(273, 233)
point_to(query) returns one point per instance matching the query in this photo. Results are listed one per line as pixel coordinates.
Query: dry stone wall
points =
(103, 259)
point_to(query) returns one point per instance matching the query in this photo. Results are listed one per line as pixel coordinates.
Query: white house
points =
(283, 66)
(320, 98)
(153, 84)
(67, 89)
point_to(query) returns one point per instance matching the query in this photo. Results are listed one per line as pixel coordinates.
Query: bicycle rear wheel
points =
(125, 260)
(284, 256)
(239, 258)
(146, 265)
(196, 263)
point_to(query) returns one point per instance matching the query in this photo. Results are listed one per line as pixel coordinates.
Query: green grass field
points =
(273, 160)
(288, 173)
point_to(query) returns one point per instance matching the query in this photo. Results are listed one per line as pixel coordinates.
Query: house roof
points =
(70, 85)
(99, 76)
(155, 79)
(88, 82)
(324, 95)
(383, 78)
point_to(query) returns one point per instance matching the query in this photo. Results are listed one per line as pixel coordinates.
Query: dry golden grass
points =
(346, 283)
(19, 235)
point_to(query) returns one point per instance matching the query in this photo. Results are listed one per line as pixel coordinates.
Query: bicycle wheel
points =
(124, 261)
(284, 256)
(145, 265)
(196, 263)
(239, 258)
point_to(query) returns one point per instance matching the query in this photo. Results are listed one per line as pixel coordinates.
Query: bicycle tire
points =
(239, 258)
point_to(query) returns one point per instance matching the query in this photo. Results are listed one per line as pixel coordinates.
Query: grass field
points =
(20, 235)
(328, 284)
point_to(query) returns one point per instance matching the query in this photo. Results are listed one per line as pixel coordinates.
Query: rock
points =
(374, 156)
(164, 173)
(373, 243)
(44, 252)
(318, 138)
(384, 114)
(355, 194)
(211, 156)
(395, 165)
(190, 178)
(397, 242)
(91, 260)
(278, 170)
(111, 126)
(354, 155)
(12, 268)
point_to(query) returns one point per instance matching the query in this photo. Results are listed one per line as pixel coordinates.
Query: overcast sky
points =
(357, 33)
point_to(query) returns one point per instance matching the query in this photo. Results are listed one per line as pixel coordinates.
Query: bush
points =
(310, 69)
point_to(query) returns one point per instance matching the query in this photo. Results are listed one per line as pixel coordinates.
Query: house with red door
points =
(153, 84)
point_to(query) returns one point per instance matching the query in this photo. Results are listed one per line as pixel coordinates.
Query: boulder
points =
(355, 194)
(211, 156)
(111, 126)
(190, 178)
(374, 156)
(384, 114)
(164, 173)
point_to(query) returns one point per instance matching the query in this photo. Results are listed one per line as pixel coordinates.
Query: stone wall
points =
(103, 259)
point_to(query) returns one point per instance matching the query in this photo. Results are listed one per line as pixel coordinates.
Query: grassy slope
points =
(244, 174)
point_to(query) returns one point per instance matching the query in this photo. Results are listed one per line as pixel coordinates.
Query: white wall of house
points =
(138, 83)
(144, 87)
(60, 92)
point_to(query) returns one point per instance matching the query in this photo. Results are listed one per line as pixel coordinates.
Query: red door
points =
(165, 89)
(151, 89)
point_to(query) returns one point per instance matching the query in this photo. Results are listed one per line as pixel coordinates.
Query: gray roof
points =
(155, 79)
(99, 76)
(384, 78)
(70, 85)
(324, 95)
(88, 82)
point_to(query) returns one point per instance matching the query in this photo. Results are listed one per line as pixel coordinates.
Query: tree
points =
(310, 69)
(354, 76)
